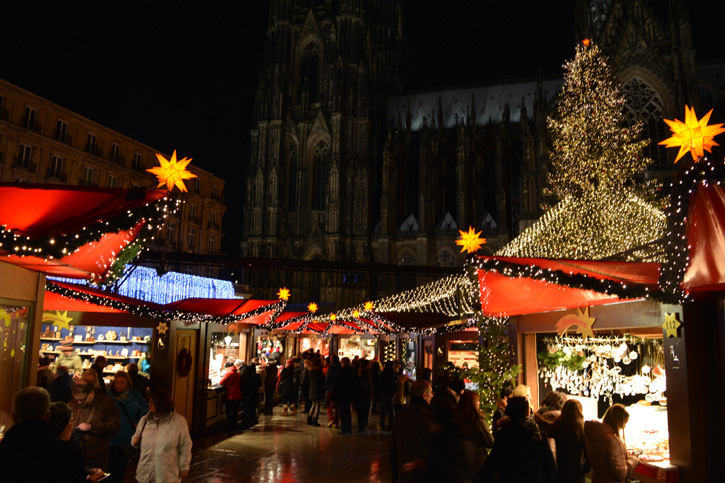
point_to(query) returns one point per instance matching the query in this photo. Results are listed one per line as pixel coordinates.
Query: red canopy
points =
(44, 211)
(706, 235)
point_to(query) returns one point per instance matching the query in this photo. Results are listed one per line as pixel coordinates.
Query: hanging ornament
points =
(172, 172)
(469, 241)
(692, 135)
(633, 355)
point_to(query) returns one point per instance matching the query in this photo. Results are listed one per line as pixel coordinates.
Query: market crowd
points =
(438, 432)
(94, 430)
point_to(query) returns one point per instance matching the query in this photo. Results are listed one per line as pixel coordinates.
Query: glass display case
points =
(363, 348)
(225, 347)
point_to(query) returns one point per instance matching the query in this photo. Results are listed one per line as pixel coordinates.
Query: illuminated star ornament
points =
(172, 172)
(162, 328)
(356, 314)
(312, 307)
(283, 293)
(368, 306)
(671, 325)
(333, 317)
(470, 241)
(692, 135)
(586, 42)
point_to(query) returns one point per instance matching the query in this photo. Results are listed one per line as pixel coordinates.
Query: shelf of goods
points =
(103, 341)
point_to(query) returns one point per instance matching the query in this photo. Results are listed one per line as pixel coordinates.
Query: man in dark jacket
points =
(520, 453)
(388, 386)
(251, 382)
(412, 436)
(333, 418)
(30, 438)
(270, 384)
(97, 419)
(344, 390)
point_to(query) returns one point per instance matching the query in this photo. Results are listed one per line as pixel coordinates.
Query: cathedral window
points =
(321, 167)
(310, 71)
(646, 104)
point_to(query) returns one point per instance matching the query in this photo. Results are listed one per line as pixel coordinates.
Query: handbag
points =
(133, 453)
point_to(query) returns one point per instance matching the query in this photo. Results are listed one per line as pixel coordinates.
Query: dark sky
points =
(181, 74)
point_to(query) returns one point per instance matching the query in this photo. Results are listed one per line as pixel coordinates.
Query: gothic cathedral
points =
(346, 167)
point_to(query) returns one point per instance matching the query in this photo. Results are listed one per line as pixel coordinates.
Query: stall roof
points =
(46, 211)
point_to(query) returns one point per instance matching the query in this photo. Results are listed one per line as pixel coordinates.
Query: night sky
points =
(181, 74)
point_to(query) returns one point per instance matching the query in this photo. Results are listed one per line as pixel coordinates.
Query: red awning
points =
(506, 296)
(706, 235)
(44, 211)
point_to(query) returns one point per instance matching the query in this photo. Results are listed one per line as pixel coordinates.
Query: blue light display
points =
(144, 283)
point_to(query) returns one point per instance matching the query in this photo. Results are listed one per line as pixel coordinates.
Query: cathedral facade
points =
(348, 167)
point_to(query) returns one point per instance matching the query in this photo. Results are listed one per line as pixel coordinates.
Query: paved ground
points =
(285, 449)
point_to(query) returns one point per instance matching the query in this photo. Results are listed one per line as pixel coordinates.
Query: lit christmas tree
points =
(600, 201)
(593, 147)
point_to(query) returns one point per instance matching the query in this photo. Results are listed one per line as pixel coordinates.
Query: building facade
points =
(347, 166)
(41, 142)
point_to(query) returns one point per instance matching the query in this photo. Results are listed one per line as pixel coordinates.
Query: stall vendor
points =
(69, 358)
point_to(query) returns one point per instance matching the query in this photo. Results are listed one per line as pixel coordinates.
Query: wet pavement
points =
(285, 449)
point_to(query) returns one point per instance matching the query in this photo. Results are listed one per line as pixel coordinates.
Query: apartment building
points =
(41, 142)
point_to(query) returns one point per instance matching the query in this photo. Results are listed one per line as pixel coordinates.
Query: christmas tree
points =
(596, 201)
(593, 147)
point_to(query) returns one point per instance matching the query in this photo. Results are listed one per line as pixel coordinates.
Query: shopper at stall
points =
(96, 419)
(343, 392)
(476, 436)
(140, 383)
(69, 358)
(500, 408)
(98, 366)
(284, 387)
(333, 417)
(45, 374)
(232, 382)
(270, 383)
(363, 396)
(568, 433)
(60, 388)
(31, 439)
(606, 449)
(549, 410)
(165, 443)
(388, 386)
(399, 398)
(316, 383)
(251, 383)
(375, 370)
(131, 407)
(412, 436)
(520, 453)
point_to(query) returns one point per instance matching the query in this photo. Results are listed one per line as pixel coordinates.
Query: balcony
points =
(28, 166)
(57, 175)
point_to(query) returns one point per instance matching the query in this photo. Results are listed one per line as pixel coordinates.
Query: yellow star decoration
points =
(312, 307)
(172, 172)
(470, 241)
(368, 306)
(162, 328)
(58, 318)
(692, 135)
(671, 325)
(283, 293)
(333, 317)
(356, 314)
(583, 323)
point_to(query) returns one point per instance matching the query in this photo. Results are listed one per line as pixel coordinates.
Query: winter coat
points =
(30, 452)
(412, 442)
(364, 387)
(607, 454)
(331, 375)
(135, 405)
(250, 381)
(270, 378)
(570, 458)
(165, 448)
(102, 415)
(316, 383)
(388, 382)
(232, 380)
(343, 390)
(285, 383)
(73, 362)
(101, 387)
(45, 378)
(399, 396)
(520, 455)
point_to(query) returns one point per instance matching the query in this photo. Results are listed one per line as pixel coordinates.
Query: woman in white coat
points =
(165, 443)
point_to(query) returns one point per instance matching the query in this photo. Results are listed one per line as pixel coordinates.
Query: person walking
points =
(270, 383)
(131, 407)
(363, 396)
(568, 433)
(333, 417)
(317, 389)
(605, 447)
(412, 436)
(388, 386)
(344, 394)
(233, 396)
(163, 435)
(285, 386)
(251, 382)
